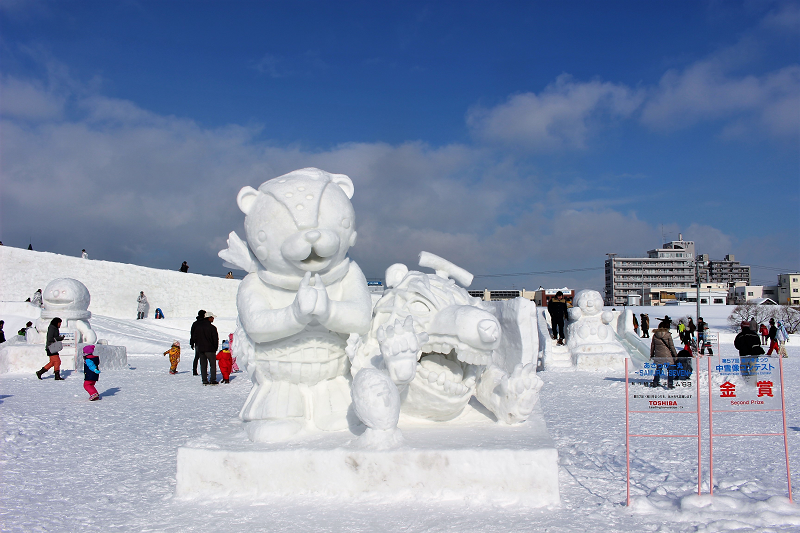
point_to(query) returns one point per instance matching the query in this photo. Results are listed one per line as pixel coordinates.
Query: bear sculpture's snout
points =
(311, 251)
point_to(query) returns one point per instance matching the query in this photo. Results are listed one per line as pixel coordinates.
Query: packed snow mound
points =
(115, 286)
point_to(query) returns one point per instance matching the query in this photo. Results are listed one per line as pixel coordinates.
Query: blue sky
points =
(505, 136)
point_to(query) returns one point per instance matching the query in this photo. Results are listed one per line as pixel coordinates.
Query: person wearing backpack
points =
(662, 352)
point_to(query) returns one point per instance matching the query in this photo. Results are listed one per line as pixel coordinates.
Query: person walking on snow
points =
(702, 331)
(225, 362)
(174, 357)
(201, 315)
(662, 352)
(84, 255)
(184, 267)
(764, 334)
(141, 309)
(52, 349)
(91, 372)
(557, 307)
(36, 300)
(645, 325)
(773, 337)
(782, 336)
(690, 329)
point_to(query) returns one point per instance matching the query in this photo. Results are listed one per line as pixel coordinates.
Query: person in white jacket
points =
(142, 308)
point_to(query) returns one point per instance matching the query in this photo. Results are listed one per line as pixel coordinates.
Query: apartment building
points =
(667, 268)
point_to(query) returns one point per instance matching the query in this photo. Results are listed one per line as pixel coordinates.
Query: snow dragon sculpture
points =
(439, 346)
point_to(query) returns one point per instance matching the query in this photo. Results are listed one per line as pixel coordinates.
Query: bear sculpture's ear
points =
(246, 198)
(344, 182)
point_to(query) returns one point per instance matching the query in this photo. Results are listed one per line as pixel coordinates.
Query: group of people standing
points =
(204, 340)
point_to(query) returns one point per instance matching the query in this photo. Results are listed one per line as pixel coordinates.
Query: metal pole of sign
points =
(699, 425)
(785, 441)
(710, 433)
(627, 440)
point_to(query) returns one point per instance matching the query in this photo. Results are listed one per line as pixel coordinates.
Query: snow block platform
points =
(22, 358)
(477, 462)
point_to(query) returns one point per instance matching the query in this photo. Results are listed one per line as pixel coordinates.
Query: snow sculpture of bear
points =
(299, 303)
(69, 300)
(591, 339)
(437, 343)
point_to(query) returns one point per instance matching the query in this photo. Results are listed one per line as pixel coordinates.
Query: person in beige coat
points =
(662, 352)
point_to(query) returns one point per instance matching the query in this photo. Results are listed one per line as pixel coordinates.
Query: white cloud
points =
(563, 115)
(705, 91)
(25, 99)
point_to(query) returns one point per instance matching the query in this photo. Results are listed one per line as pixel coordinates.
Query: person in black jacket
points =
(206, 341)
(2, 333)
(645, 321)
(749, 346)
(557, 307)
(55, 361)
(201, 315)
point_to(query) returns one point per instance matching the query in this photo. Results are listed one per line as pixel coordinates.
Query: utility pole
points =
(697, 284)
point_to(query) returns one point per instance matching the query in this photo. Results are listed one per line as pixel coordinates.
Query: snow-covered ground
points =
(71, 465)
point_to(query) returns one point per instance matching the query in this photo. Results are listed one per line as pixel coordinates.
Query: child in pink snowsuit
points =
(91, 371)
(234, 366)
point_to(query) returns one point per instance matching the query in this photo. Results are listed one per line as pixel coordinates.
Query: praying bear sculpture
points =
(299, 303)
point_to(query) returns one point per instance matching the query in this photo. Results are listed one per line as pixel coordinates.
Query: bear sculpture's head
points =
(300, 222)
(589, 301)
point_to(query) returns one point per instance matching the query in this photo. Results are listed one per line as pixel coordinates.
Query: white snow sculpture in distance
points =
(436, 343)
(590, 338)
(299, 303)
(376, 401)
(69, 300)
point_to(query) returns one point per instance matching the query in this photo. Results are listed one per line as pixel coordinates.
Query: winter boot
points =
(40, 373)
(58, 376)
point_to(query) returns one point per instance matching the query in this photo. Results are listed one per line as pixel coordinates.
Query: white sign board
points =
(746, 384)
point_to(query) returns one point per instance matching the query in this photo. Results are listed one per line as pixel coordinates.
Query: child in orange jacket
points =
(174, 357)
(225, 362)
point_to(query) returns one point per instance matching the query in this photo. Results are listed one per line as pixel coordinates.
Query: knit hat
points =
(88, 349)
(225, 345)
(209, 314)
(745, 324)
(176, 343)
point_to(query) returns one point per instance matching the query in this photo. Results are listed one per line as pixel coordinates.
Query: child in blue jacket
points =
(91, 371)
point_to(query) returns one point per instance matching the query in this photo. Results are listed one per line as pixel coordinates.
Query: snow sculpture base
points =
(471, 457)
(28, 358)
(111, 357)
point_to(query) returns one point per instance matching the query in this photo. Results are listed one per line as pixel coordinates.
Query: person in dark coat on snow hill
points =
(184, 267)
(557, 307)
(91, 371)
(201, 315)
(55, 361)
(662, 352)
(2, 333)
(206, 342)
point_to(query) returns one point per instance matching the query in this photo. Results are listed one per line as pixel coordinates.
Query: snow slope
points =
(71, 465)
(115, 286)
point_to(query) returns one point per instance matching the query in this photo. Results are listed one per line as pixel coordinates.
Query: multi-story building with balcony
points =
(670, 267)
